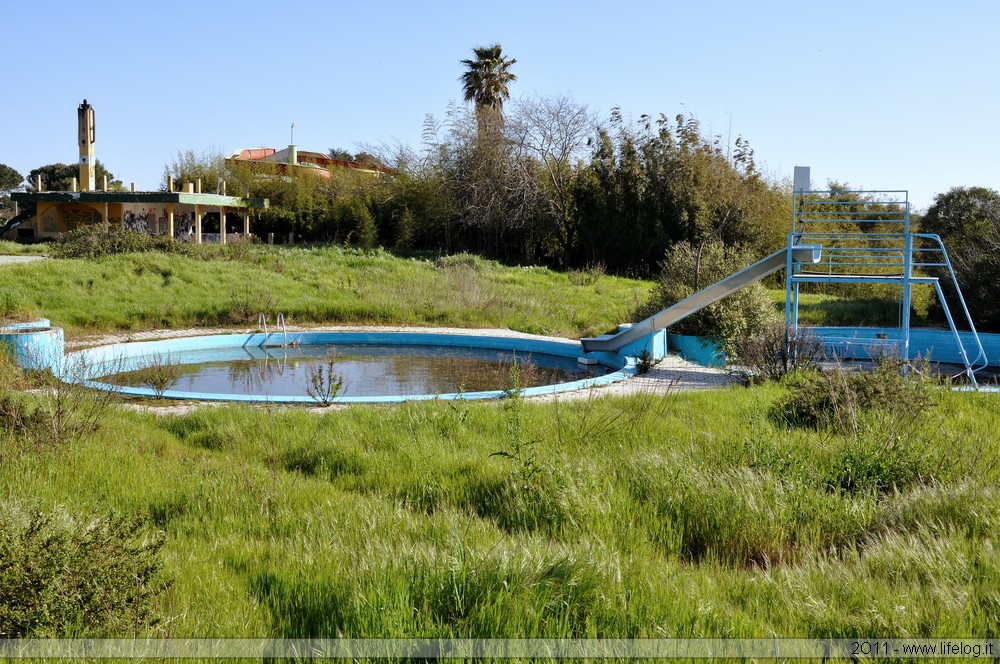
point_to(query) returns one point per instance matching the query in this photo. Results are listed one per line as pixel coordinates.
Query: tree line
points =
(543, 180)
(534, 180)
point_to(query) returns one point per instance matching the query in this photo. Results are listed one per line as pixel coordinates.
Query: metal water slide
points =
(810, 253)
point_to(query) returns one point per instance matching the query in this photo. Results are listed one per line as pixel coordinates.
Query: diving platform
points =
(837, 237)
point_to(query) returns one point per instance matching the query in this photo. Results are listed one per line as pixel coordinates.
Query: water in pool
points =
(367, 370)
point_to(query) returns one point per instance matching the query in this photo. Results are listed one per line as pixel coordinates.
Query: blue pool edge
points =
(84, 365)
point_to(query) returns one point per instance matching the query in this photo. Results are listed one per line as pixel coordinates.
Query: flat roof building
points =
(179, 214)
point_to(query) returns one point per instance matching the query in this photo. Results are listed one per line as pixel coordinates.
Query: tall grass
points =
(645, 516)
(311, 285)
(680, 516)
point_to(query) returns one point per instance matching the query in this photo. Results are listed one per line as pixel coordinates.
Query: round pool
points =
(341, 367)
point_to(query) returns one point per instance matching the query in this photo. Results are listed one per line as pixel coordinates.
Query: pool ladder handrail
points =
(280, 321)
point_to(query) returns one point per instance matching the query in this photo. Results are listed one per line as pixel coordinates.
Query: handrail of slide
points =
(806, 253)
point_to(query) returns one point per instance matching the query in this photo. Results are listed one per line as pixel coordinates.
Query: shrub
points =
(323, 382)
(839, 399)
(588, 276)
(92, 576)
(775, 351)
(159, 373)
(92, 241)
(742, 313)
(67, 408)
(880, 460)
(247, 301)
(459, 261)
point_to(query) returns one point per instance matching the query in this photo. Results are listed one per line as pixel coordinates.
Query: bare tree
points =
(552, 134)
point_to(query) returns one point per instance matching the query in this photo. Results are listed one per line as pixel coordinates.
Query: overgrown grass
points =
(311, 285)
(688, 515)
(9, 248)
(682, 516)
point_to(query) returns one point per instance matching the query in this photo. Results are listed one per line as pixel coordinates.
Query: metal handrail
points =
(892, 255)
(279, 322)
(262, 322)
(284, 333)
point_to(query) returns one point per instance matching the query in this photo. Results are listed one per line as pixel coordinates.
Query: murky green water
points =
(369, 370)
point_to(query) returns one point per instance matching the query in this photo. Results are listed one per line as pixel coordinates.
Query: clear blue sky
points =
(881, 95)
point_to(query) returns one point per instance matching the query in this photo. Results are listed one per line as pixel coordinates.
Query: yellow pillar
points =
(222, 224)
(246, 224)
(85, 130)
(170, 219)
(197, 224)
(107, 226)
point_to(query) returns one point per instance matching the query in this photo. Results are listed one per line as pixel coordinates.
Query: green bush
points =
(93, 242)
(61, 576)
(880, 461)
(839, 399)
(739, 315)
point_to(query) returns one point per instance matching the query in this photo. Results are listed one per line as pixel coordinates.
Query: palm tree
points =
(485, 83)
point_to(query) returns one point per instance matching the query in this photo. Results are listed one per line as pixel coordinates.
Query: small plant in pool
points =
(159, 374)
(323, 382)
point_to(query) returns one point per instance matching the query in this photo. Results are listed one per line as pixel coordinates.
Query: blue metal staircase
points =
(867, 238)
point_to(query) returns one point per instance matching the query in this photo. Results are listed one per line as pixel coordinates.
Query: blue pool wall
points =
(699, 350)
(35, 344)
(861, 343)
(86, 366)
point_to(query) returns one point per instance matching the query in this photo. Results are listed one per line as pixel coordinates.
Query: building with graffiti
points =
(181, 214)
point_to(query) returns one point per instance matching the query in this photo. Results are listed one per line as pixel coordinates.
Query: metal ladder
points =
(867, 239)
(280, 322)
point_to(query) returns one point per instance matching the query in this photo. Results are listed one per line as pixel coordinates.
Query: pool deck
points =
(671, 374)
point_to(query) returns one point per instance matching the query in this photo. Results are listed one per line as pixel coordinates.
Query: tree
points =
(963, 211)
(190, 166)
(734, 317)
(652, 184)
(968, 221)
(9, 179)
(59, 177)
(485, 83)
(341, 154)
(552, 133)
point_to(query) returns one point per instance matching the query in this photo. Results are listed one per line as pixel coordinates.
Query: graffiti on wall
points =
(75, 217)
(183, 228)
(138, 221)
(49, 224)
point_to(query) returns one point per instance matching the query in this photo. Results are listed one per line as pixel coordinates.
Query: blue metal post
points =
(907, 275)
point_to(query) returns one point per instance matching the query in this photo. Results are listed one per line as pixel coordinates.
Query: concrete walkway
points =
(15, 260)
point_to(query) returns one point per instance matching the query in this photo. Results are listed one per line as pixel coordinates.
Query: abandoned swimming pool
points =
(374, 367)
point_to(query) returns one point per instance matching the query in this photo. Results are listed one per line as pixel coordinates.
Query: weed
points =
(530, 495)
(159, 373)
(240, 251)
(324, 382)
(248, 300)
(67, 408)
(644, 362)
(839, 398)
(776, 351)
(460, 261)
(886, 456)
(588, 276)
